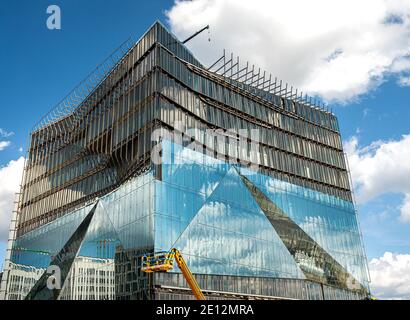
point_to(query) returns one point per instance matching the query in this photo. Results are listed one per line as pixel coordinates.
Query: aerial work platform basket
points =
(164, 262)
(159, 262)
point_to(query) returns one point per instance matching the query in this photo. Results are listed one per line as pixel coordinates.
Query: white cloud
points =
(10, 179)
(405, 208)
(4, 145)
(380, 168)
(401, 65)
(390, 275)
(404, 81)
(5, 134)
(339, 49)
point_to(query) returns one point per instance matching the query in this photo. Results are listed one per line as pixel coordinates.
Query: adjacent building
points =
(244, 176)
(90, 279)
(21, 279)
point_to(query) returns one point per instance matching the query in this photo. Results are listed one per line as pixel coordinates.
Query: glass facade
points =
(119, 225)
(251, 187)
(204, 208)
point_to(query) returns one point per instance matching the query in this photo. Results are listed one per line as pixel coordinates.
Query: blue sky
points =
(381, 115)
(40, 66)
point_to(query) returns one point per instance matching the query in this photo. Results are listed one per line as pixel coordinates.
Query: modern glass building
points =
(155, 151)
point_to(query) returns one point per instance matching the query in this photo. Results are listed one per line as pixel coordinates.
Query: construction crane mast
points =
(163, 262)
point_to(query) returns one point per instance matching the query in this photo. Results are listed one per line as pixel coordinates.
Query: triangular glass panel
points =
(61, 264)
(230, 235)
(317, 264)
(330, 221)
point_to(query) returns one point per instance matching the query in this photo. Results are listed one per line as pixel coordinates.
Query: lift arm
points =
(188, 275)
(163, 262)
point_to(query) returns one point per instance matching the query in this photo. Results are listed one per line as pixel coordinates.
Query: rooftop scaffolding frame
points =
(262, 83)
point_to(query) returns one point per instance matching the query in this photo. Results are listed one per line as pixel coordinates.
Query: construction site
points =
(248, 197)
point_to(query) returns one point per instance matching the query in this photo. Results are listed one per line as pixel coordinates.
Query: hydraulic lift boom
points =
(163, 262)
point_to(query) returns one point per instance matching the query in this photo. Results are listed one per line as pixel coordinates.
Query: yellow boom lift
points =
(164, 261)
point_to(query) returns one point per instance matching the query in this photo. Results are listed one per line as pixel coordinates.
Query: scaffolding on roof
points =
(262, 83)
